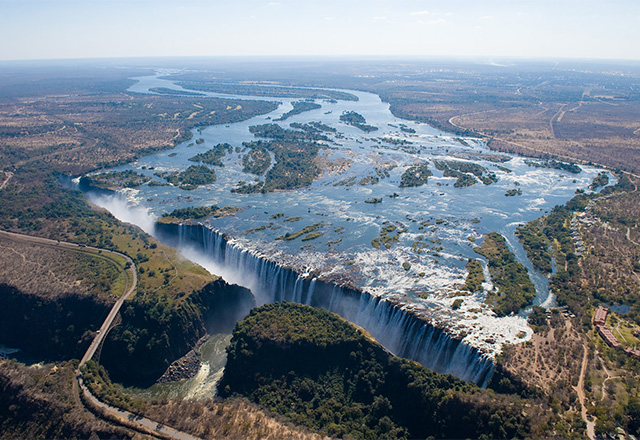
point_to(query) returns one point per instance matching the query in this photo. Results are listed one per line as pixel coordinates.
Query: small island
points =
(417, 175)
(515, 289)
(198, 212)
(357, 120)
(466, 173)
(213, 156)
(299, 107)
(513, 192)
(192, 177)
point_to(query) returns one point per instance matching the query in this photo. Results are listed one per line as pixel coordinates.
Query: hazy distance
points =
(44, 29)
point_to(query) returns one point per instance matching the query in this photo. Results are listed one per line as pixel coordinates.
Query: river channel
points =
(440, 223)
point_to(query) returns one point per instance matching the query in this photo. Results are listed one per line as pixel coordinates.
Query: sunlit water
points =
(444, 220)
(452, 214)
(203, 385)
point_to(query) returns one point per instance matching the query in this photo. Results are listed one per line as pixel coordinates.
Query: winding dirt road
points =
(9, 176)
(582, 398)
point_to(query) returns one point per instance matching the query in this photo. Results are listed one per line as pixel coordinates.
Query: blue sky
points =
(43, 29)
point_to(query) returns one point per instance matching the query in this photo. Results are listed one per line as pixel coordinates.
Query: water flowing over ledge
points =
(395, 326)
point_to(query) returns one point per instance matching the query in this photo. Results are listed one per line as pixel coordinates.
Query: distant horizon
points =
(475, 59)
(79, 29)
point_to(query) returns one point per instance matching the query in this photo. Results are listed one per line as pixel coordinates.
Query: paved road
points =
(131, 281)
(125, 418)
(114, 311)
(134, 421)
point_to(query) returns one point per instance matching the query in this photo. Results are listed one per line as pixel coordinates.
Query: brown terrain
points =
(551, 363)
(50, 272)
(231, 419)
(73, 126)
(40, 396)
(603, 133)
(586, 120)
(86, 131)
(551, 360)
(38, 399)
(612, 267)
(567, 359)
(73, 122)
(582, 116)
(611, 274)
(77, 124)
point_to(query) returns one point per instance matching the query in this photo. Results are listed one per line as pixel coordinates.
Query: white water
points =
(394, 326)
(258, 261)
(379, 271)
(126, 212)
(203, 385)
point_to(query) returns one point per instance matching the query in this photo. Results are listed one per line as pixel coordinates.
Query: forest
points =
(295, 155)
(274, 131)
(192, 177)
(191, 81)
(463, 172)
(213, 156)
(299, 107)
(321, 372)
(257, 161)
(416, 175)
(52, 129)
(514, 288)
(357, 120)
(197, 212)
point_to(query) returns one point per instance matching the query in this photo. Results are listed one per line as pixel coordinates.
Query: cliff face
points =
(46, 327)
(282, 337)
(401, 331)
(87, 185)
(319, 371)
(156, 330)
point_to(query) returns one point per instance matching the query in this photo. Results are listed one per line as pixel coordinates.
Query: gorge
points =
(397, 329)
(394, 267)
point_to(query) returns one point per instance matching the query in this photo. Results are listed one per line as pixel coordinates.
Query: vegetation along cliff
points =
(320, 371)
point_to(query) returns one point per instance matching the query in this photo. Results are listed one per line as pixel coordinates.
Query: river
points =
(441, 223)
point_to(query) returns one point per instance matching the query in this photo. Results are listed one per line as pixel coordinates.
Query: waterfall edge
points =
(397, 329)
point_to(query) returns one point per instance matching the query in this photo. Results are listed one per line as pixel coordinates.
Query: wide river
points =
(441, 222)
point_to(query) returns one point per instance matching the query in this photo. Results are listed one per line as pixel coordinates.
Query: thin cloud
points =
(420, 13)
(432, 22)
(381, 18)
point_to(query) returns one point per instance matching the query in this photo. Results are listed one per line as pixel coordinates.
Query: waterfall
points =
(399, 331)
